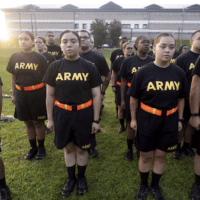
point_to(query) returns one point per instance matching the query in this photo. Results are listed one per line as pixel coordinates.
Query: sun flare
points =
(4, 32)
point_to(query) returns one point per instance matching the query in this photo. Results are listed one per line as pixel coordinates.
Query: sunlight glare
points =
(4, 32)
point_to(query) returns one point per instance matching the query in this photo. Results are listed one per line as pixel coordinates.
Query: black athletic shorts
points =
(118, 95)
(30, 105)
(195, 140)
(73, 126)
(156, 132)
(127, 105)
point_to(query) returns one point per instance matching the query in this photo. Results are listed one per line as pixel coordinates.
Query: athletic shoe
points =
(32, 152)
(93, 152)
(142, 192)
(129, 155)
(156, 192)
(69, 187)
(41, 153)
(121, 129)
(195, 193)
(177, 154)
(81, 185)
(5, 193)
(189, 152)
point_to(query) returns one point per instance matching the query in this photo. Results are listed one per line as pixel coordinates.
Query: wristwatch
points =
(96, 121)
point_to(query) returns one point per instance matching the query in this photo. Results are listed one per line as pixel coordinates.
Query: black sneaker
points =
(121, 129)
(157, 192)
(32, 152)
(195, 193)
(81, 185)
(93, 152)
(5, 194)
(41, 153)
(189, 152)
(177, 154)
(69, 187)
(142, 192)
(129, 155)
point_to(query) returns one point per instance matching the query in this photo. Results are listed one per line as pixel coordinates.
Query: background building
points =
(150, 20)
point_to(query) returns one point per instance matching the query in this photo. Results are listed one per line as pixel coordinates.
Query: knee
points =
(29, 124)
(146, 158)
(160, 158)
(81, 152)
(38, 124)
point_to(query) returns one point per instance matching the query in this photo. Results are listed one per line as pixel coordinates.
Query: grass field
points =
(109, 176)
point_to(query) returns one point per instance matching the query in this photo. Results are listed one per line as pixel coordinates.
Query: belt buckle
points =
(164, 113)
(74, 107)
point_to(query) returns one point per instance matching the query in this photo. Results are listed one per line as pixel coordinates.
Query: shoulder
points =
(150, 58)
(177, 69)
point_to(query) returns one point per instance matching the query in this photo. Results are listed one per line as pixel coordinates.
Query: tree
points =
(115, 31)
(99, 31)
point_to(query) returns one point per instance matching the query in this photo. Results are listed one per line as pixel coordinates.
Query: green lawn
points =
(109, 176)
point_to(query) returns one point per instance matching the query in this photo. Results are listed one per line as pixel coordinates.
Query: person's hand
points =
(114, 89)
(133, 124)
(13, 99)
(123, 104)
(102, 97)
(180, 126)
(95, 127)
(195, 122)
(50, 125)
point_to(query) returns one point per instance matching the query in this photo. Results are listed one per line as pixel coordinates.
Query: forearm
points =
(181, 103)
(1, 100)
(133, 107)
(106, 82)
(96, 103)
(113, 78)
(49, 105)
(123, 86)
(13, 85)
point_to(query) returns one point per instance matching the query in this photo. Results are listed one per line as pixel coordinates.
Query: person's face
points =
(39, 44)
(70, 46)
(85, 40)
(25, 42)
(164, 49)
(195, 41)
(91, 43)
(128, 50)
(143, 45)
(185, 49)
(50, 38)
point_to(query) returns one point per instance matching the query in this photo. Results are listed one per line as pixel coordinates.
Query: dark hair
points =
(44, 41)
(193, 34)
(28, 33)
(157, 39)
(73, 32)
(48, 33)
(181, 47)
(138, 39)
(84, 31)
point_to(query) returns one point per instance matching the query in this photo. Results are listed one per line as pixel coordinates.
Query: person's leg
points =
(31, 134)
(121, 119)
(81, 159)
(70, 161)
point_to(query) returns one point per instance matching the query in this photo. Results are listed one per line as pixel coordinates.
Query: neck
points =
(85, 50)
(161, 63)
(28, 51)
(72, 58)
(195, 50)
(41, 51)
(51, 44)
(142, 55)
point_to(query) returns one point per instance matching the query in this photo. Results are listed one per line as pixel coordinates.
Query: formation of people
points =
(66, 86)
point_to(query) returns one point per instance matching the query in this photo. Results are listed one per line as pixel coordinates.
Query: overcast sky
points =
(87, 3)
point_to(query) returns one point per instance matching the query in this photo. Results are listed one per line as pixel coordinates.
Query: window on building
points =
(76, 26)
(84, 26)
(144, 26)
(123, 25)
(136, 26)
(128, 26)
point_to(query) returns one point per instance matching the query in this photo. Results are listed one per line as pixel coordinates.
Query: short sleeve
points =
(115, 66)
(184, 90)
(95, 77)
(123, 70)
(10, 67)
(103, 66)
(197, 67)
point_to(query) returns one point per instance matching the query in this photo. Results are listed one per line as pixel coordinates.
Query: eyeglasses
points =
(84, 37)
(129, 48)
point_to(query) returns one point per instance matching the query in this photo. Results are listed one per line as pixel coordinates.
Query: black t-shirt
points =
(72, 80)
(1, 83)
(50, 58)
(150, 53)
(55, 50)
(117, 54)
(98, 60)
(197, 67)
(176, 54)
(159, 87)
(131, 65)
(29, 68)
(116, 67)
(187, 63)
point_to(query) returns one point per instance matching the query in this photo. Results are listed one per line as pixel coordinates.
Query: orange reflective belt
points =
(156, 111)
(128, 84)
(118, 83)
(73, 108)
(29, 88)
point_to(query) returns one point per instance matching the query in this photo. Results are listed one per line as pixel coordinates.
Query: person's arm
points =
(1, 100)
(105, 84)
(123, 86)
(113, 79)
(181, 104)
(195, 101)
(13, 88)
(96, 106)
(50, 95)
(133, 108)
